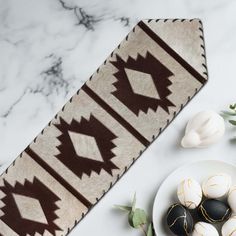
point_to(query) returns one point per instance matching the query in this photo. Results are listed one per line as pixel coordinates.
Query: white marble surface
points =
(49, 48)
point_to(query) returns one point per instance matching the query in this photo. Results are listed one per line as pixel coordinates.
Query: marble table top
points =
(49, 48)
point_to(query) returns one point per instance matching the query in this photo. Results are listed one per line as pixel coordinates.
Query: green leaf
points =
(124, 208)
(130, 219)
(134, 202)
(232, 106)
(138, 218)
(232, 122)
(229, 113)
(150, 230)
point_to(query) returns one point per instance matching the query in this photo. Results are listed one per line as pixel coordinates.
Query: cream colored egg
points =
(229, 227)
(204, 229)
(189, 193)
(216, 186)
(232, 198)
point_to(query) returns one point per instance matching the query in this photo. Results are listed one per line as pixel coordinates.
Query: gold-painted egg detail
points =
(179, 220)
(189, 193)
(216, 186)
(214, 211)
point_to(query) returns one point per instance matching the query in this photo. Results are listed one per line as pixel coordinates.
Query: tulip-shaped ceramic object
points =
(204, 129)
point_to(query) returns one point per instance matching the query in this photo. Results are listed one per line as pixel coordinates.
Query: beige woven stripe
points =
(125, 126)
(127, 147)
(184, 38)
(184, 84)
(69, 207)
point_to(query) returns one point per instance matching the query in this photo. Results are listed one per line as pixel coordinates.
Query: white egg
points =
(229, 227)
(204, 229)
(189, 193)
(232, 198)
(216, 186)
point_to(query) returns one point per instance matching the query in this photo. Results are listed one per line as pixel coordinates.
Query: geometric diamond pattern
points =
(29, 208)
(103, 129)
(85, 146)
(142, 83)
(25, 206)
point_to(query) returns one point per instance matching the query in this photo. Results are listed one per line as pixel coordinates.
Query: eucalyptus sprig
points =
(231, 114)
(137, 218)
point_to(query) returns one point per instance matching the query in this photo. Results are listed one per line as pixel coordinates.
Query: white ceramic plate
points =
(166, 194)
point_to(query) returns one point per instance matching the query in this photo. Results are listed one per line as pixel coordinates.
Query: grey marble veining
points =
(48, 49)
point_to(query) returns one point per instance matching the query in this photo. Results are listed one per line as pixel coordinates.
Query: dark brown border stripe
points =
(115, 115)
(171, 52)
(56, 176)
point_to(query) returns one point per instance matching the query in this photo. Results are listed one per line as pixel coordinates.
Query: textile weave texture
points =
(103, 128)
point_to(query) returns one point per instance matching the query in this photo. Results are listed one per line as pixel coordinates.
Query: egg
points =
(214, 211)
(229, 227)
(204, 229)
(216, 186)
(189, 193)
(179, 220)
(232, 198)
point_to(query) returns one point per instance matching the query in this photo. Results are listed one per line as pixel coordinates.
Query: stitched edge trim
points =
(154, 137)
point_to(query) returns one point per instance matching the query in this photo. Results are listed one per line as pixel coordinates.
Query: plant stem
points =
(143, 229)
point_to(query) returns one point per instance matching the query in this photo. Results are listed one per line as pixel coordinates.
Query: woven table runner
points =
(103, 128)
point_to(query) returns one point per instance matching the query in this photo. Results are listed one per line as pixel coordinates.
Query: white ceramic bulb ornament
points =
(189, 193)
(216, 186)
(229, 227)
(232, 199)
(204, 129)
(204, 229)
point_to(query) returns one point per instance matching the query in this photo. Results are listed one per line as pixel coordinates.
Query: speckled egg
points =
(189, 193)
(216, 186)
(214, 211)
(179, 220)
(204, 229)
(229, 227)
(232, 198)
